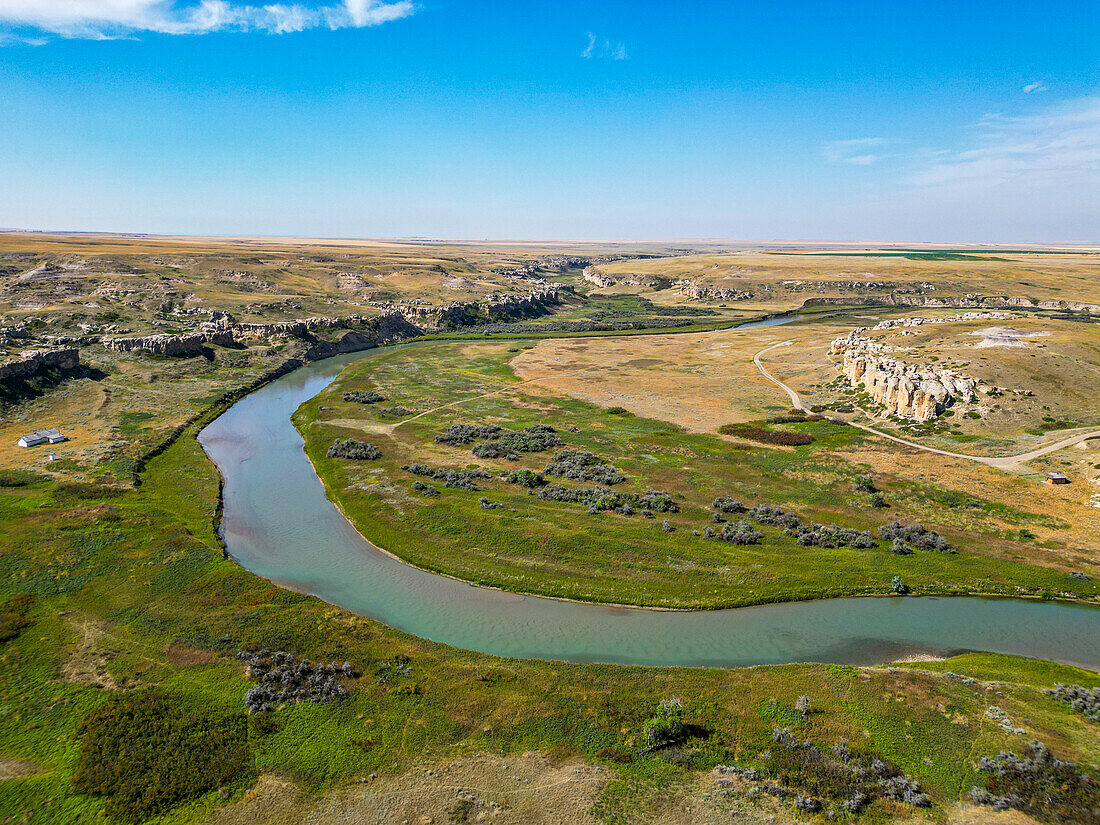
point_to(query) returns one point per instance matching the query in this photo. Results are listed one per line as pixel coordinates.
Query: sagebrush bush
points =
(740, 532)
(725, 504)
(581, 465)
(907, 539)
(354, 449)
(364, 396)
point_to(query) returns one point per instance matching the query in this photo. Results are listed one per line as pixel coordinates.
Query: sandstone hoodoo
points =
(917, 392)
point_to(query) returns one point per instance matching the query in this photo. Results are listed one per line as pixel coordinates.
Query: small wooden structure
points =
(1057, 478)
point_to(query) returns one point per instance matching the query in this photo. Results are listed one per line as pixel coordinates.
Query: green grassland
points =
(558, 549)
(133, 585)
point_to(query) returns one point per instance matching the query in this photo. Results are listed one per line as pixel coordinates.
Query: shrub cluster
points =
(845, 777)
(759, 434)
(666, 726)
(458, 479)
(725, 504)
(908, 539)
(766, 514)
(146, 754)
(509, 444)
(1039, 785)
(364, 396)
(865, 484)
(395, 412)
(425, 489)
(396, 668)
(602, 498)
(467, 433)
(581, 465)
(526, 478)
(284, 678)
(829, 535)
(353, 448)
(740, 532)
(1081, 699)
(13, 615)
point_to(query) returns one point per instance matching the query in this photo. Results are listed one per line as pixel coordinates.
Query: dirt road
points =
(1011, 462)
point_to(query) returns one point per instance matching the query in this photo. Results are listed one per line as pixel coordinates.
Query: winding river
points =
(279, 524)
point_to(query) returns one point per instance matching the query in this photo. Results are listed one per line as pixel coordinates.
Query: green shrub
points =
(146, 754)
(13, 615)
(19, 478)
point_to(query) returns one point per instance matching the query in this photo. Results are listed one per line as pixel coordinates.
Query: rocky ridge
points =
(397, 322)
(959, 302)
(701, 292)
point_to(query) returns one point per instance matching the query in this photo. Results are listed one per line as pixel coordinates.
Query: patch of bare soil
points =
(86, 662)
(15, 769)
(180, 656)
(528, 789)
(980, 815)
(531, 789)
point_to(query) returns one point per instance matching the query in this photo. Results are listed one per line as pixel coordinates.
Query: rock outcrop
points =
(177, 345)
(958, 302)
(917, 392)
(918, 321)
(35, 362)
(397, 322)
(701, 292)
(494, 309)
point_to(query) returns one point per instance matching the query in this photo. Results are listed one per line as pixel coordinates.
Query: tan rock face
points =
(33, 362)
(920, 393)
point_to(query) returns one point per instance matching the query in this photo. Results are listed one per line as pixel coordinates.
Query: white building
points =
(50, 436)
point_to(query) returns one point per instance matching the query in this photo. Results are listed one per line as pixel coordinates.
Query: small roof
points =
(1056, 475)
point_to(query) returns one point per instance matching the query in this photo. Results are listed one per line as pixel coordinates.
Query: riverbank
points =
(458, 538)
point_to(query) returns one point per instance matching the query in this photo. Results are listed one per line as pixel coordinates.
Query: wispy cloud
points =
(28, 20)
(1059, 145)
(604, 47)
(1031, 88)
(855, 151)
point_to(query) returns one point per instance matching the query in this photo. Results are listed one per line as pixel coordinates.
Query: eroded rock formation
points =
(917, 392)
(33, 362)
(959, 302)
(164, 344)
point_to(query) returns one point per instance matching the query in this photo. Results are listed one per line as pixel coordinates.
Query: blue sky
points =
(584, 120)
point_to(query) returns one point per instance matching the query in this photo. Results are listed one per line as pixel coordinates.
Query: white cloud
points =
(1030, 88)
(100, 19)
(603, 47)
(854, 151)
(591, 47)
(1057, 146)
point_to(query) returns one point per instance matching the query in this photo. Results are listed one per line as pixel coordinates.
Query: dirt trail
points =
(1011, 462)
